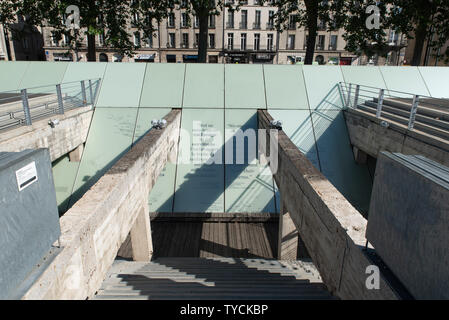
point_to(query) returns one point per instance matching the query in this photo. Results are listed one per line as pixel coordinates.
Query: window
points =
(243, 41)
(320, 42)
(184, 20)
(65, 41)
(136, 39)
(333, 42)
(230, 41)
(185, 40)
(171, 20)
(101, 39)
(244, 21)
(171, 40)
(270, 41)
(291, 42)
(321, 25)
(212, 21)
(211, 40)
(149, 43)
(292, 22)
(54, 39)
(26, 46)
(183, 3)
(256, 41)
(197, 22)
(270, 23)
(257, 20)
(197, 39)
(230, 24)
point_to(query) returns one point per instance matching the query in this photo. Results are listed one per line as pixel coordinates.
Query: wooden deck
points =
(212, 235)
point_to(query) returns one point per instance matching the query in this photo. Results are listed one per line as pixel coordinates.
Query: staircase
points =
(430, 119)
(213, 279)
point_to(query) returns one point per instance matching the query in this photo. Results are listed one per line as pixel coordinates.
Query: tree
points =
(419, 20)
(202, 9)
(416, 19)
(306, 13)
(360, 37)
(110, 18)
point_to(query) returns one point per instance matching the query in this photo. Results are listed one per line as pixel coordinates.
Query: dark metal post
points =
(356, 97)
(413, 112)
(83, 91)
(91, 93)
(380, 103)
(26, 107)
(60, 101)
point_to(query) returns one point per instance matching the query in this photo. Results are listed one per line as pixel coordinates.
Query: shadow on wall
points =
(335, 152)
(199, 193)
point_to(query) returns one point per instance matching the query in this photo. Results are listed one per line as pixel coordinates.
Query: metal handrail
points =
(353, 94)
(28, 104)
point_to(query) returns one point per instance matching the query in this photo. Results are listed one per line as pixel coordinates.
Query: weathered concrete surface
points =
(368, 135)
(288, 236)
(331, 228)
(71, 132)
(408, 226)
(96, 226)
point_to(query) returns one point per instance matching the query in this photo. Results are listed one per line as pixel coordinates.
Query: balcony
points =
(256, 25)
(270, 26)
(251, 48)
(230, 25)
(243, 25)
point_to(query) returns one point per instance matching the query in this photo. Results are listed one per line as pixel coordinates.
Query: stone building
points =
(244, 36)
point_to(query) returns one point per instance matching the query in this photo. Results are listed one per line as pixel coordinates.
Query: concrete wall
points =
(408, 223)
(96, 226)
(332, 230)
(367, 135)
(66, 136)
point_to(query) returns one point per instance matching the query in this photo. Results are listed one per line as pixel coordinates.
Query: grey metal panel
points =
(29, 220)
(408, 222)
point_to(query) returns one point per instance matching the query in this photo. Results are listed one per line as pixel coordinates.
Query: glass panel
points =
(244, 86)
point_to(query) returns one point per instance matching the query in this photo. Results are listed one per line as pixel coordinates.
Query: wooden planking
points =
(214, 239)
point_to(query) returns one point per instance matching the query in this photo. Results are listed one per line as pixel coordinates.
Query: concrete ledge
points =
(213, 217)
(368, 135)
(332, 229)
(71, 132)
(96, 226)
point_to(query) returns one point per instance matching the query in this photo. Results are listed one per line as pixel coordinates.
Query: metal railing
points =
(355, 95)
(22, 107)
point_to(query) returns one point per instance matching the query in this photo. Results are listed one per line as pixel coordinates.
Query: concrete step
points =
(420, 118)
(213, 278)
(419, 126)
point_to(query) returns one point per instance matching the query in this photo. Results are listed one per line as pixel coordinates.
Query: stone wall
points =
(333, 231)
(96, 226)
(368, 135)
(71, 132)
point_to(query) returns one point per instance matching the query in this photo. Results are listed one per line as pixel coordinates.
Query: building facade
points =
(244, 36)
(3, 49)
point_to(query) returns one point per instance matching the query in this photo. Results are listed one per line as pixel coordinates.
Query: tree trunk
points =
(202, 41)
(312, 26)
(91, 50)
(420, 38)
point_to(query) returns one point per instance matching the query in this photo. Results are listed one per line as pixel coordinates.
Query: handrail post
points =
(348, 102)
(91, 93)
(413, 112)
(60, 101)
(356, 97)
(380, 103)
(83, 90)
(26, 107)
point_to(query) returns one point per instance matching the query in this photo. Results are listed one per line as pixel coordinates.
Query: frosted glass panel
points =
(285, 87)
(163, 86)
(437, 80)
(204, 86)
(322, 86)
(11, 74)
(404, 79)
(122, 85)
(249, 185)
(244, 86)
(200, 186)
